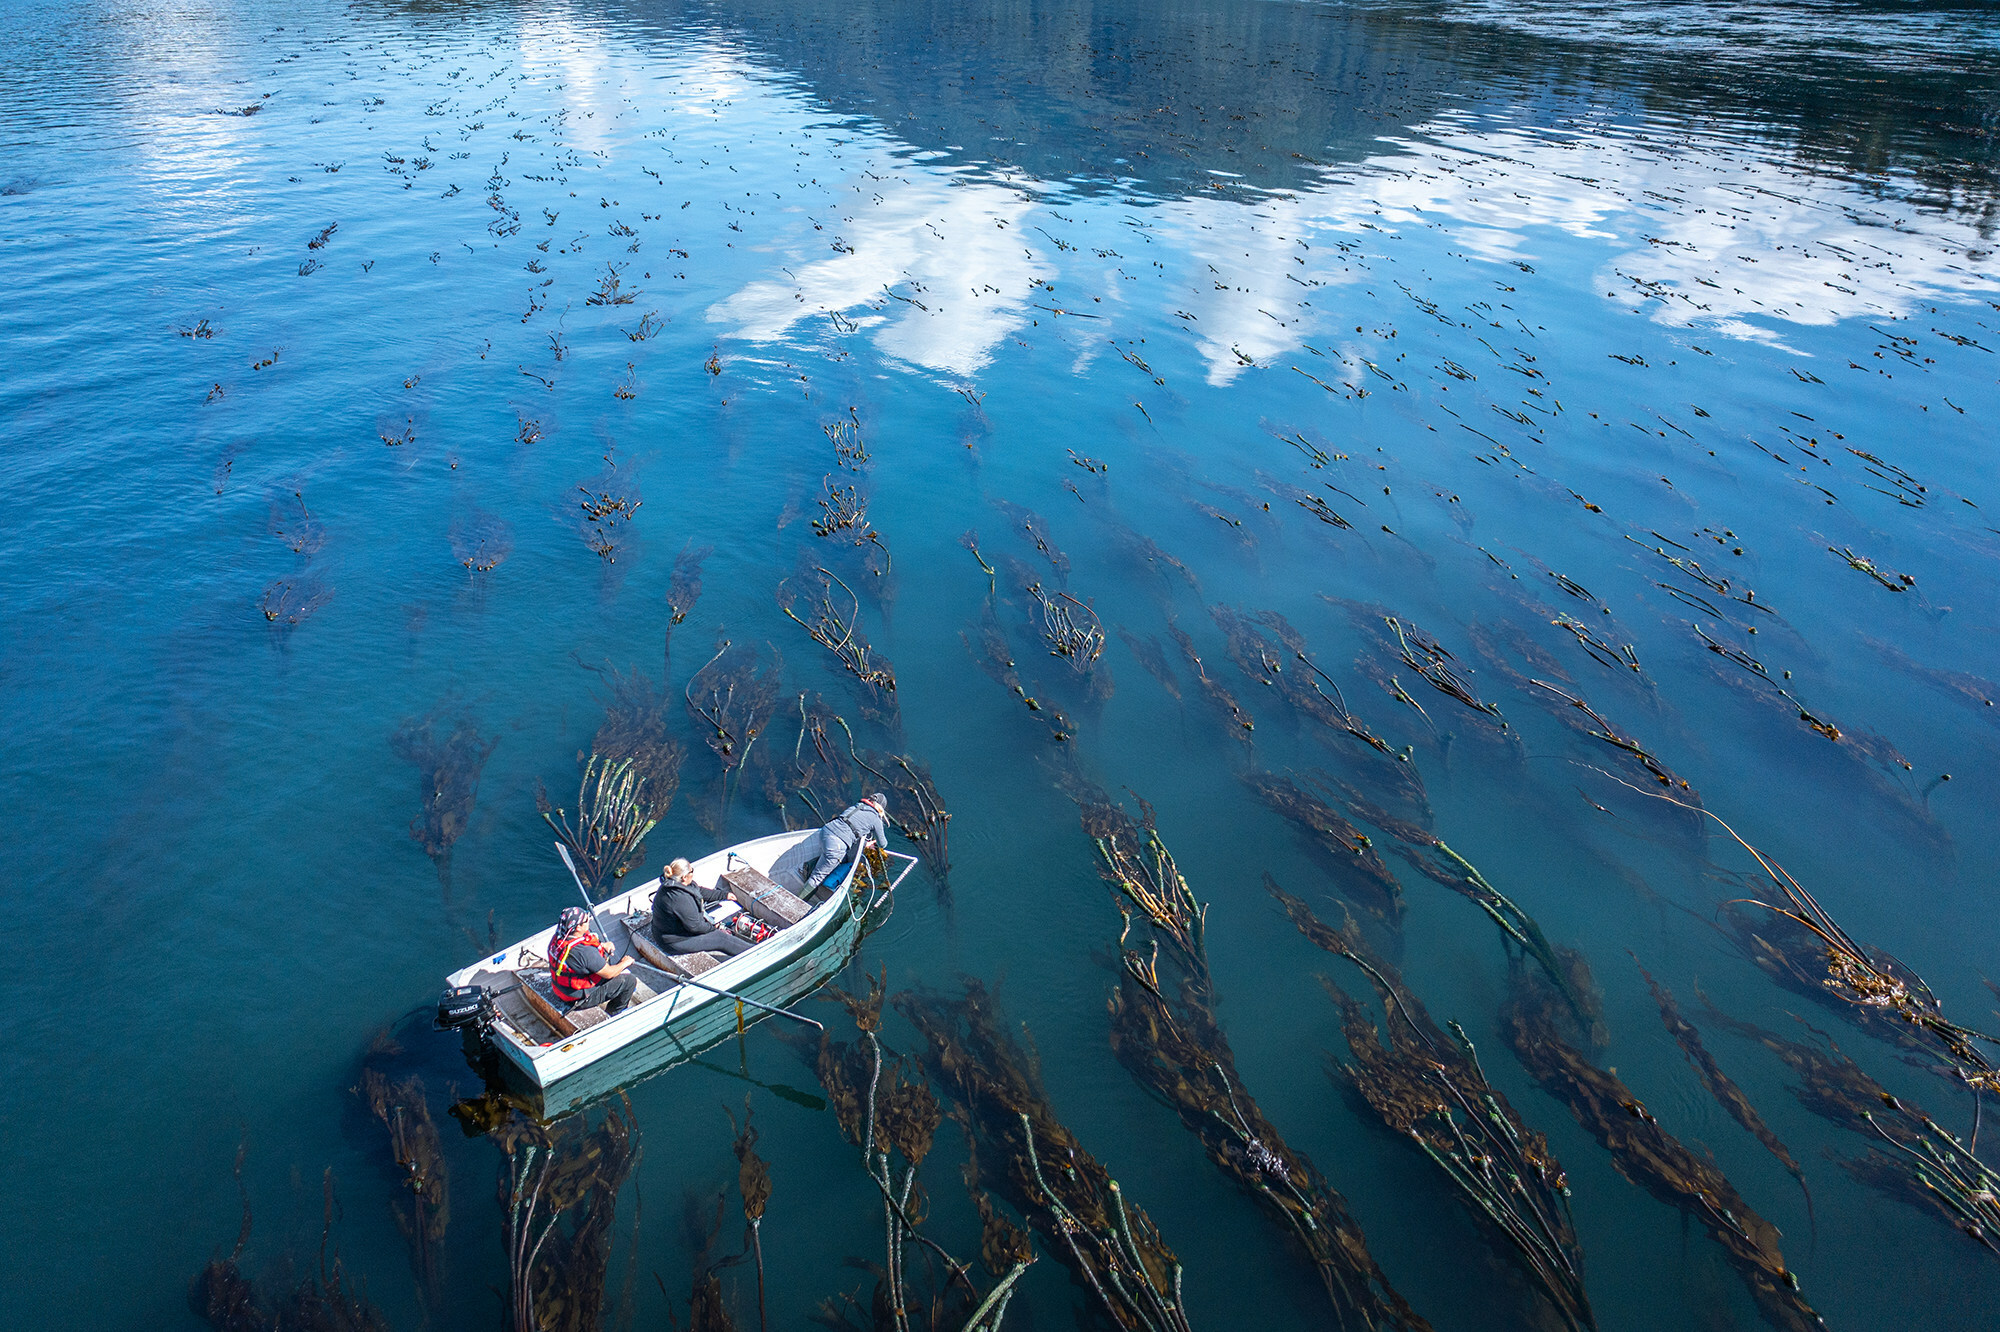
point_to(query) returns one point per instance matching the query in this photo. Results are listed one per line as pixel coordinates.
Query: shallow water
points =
(1529, 298)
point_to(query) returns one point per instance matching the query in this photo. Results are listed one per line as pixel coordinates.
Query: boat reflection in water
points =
(551, 1061)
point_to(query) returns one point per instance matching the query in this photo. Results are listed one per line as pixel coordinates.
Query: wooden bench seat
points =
(674, 964)
(765, 899)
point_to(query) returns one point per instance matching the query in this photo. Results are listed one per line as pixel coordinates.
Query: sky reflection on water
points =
(1487, 317)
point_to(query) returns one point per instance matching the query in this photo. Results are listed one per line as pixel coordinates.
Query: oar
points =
(741, 999)
(563, 851)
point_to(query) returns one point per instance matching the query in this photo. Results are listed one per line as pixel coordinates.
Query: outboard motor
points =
(466, 1006)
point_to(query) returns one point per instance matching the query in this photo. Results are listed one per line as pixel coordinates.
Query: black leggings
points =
(715, 941)
(614, 994)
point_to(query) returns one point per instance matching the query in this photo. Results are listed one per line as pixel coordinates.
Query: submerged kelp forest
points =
(1419, 578)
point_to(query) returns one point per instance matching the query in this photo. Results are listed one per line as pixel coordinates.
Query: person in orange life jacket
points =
(581, 971)
(678, 922)
(857, 824)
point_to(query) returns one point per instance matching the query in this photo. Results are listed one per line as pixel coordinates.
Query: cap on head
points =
(571, 920)
(880, 801)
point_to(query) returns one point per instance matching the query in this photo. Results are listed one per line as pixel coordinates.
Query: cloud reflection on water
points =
(1705, 234)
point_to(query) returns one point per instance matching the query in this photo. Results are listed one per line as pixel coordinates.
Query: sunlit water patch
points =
(1428, 467)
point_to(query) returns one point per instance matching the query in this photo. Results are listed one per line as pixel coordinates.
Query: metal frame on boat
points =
(687, 1013)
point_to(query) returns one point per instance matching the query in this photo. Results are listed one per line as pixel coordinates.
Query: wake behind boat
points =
(506, 1003)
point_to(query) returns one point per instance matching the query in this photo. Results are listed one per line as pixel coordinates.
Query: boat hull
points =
(682, 1020)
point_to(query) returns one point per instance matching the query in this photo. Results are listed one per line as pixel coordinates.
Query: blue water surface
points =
(372, 367)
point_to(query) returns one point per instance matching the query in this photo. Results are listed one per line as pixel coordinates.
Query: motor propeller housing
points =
(465, 1006)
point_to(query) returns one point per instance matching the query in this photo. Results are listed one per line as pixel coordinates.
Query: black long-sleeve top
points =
(677, 908)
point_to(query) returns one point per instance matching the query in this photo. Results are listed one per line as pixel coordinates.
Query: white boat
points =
(684, 1004)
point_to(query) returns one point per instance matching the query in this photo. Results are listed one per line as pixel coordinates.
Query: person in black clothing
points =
(581, 972)
(678, 922)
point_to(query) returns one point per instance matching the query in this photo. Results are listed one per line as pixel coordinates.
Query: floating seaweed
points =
(1648, 1155)
(480, 541)
(1070, 627)
(1597, 728)
(1873, 756)
(844, 509)
(1755, 669)
(558, 1192)
(413, 1138)
(1718, 1084)
(753, 1185)
(733, 700)
(684, 588)
(970, 540)
(1915, 1160)
(824, 774)
(1422, 653)
(1829, 1084)
(996, 658)
(635, 731)
(838, 634)
(1562, 966)
(885, 1107)
(849, 449)
(1342, 849)
(1692, 569)
(1805, 949)
(1431, 1089)
(1265, 661)
(1111, 1247)
(1149, 655)
(1031, 523)
(449, 753)
(290, 602)
(1212, 688)
(708, 1311)
(1970, 690)
(1063, 626)
(1431, 660)
(1623, 656)
(613, 815)
(1489, 638)
(227, 1300)
(1164, 1031)
(603, 512)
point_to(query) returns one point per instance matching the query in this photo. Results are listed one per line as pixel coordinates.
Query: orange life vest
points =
(571, 985)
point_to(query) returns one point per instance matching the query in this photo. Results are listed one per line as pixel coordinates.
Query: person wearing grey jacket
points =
(857, 824)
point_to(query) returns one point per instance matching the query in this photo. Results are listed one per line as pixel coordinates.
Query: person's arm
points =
(605, 969)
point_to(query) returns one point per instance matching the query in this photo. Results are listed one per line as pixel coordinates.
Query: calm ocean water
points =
(1645, 351)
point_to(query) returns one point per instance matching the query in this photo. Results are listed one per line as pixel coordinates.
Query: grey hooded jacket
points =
(837, 838)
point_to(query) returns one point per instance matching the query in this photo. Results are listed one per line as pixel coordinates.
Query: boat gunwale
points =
(637, 1021)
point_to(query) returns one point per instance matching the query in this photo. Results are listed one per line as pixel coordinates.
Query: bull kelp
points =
(1430, 1089)
(558, 1191)
(1913, 1158)
(885, 1107)
(1164, 1030)
(1534, 1021)
(1370, 431)
(1110, 1246)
